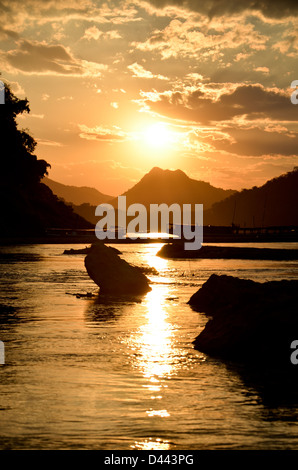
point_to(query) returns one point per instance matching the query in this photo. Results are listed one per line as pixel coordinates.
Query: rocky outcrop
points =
(80, 251)
(176, 250)
(85, 251)
(112, 274)
(248, 321)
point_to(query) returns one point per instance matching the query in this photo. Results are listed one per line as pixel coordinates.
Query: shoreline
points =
(77, 239)
(175, 251)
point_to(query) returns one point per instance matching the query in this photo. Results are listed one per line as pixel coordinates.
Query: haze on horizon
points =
(119, 87)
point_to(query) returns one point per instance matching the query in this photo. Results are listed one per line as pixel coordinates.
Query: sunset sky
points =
(118, 87)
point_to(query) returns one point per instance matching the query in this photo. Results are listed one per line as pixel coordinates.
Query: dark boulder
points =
(85, 251)
(248, 321)
(114, 275)
(80, 251)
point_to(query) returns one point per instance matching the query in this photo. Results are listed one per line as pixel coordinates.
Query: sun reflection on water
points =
(150, 444)
(154, 356)
(151, 259)
(160, 413)
(155, 339)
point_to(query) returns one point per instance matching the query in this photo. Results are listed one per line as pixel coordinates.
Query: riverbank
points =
(177, 251)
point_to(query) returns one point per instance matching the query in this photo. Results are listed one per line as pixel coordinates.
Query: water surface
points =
(123, 374)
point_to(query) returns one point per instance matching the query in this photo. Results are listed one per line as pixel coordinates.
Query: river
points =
(87, 373)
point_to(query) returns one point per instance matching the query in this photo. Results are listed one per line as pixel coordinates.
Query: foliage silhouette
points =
(28, 206)
(272, 204)
(19, 166)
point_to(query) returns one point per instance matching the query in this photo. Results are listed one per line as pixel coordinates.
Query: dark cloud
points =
(7, 33)
(33, 57)
(258, 142)
(252, 101)
(212, 8)
(4, 8)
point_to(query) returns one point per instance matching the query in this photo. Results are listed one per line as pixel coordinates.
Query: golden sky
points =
(118, 87)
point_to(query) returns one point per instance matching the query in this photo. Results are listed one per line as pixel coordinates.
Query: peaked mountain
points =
(77, 195)
(273, 204)
(169, 187)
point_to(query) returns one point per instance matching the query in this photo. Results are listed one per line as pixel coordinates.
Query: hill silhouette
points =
(28, 206)
(273, 204)
(163, 186)
(31, 213)
(77, 195)
(173, 186)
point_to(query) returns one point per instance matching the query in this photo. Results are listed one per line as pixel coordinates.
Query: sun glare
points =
(158, 135)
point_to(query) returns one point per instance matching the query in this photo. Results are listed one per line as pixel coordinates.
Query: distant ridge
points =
(273, 204)
(162, 186)
(32, 212)
(77, 195)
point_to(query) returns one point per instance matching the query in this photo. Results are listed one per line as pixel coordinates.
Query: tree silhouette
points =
(18, 164)
(28, 207)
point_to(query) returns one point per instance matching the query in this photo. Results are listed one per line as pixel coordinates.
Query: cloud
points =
(49, 143)
(31, 115)
(94, 33)
(101, 133)
(139, 72)
(251, 102)
(262, 69)
(259, 142)
(16, 88)
(8, 34)
(253, 141)
(213, 8)
(40, 58)
(22, 14)
(197, 39)
(289, 44)
(239, 120)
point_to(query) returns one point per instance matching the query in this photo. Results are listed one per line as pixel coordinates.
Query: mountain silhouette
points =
(163, 186)
(173, 186)
(273, 204)
(77, 195)
(31, 213)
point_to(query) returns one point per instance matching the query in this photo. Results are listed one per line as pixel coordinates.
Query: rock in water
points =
(114, 275)
(248, 321)
(177, 251)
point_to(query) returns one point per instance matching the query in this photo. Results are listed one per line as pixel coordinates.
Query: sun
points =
(158, 135)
